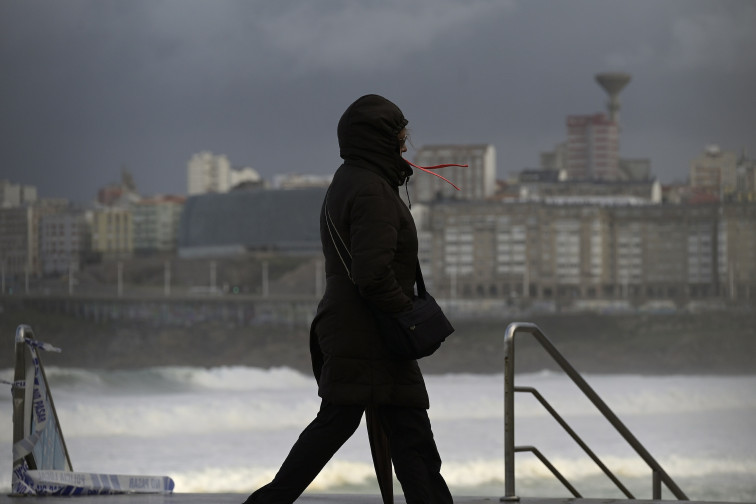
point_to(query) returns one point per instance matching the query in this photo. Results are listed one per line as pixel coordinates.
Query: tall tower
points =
(613, 83)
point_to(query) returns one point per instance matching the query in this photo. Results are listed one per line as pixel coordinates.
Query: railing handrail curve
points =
(509, 449)
(609, 474)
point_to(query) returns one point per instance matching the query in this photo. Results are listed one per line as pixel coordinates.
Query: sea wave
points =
(482, 396)
(171, 415)
(227, 429)
(357, 476)
(157, 401)
(171, 379)
(337, 475)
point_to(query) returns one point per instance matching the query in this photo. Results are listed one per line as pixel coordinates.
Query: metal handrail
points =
(659, 475)
(550, 467)
(577, 439)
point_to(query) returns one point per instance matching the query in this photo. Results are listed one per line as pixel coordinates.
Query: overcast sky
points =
(90, 87)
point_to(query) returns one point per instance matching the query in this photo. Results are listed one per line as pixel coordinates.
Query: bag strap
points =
(419, 280)
(346, 257)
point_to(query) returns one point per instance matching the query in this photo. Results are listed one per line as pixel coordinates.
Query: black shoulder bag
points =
(411, 334)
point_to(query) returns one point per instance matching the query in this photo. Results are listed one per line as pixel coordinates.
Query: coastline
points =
(706, 343)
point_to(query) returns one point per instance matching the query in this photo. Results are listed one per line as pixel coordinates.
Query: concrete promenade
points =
(231, 498)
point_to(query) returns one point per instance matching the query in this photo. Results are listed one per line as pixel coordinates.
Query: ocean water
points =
(227, 429)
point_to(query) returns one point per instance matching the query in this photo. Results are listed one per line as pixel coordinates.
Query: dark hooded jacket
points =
(350, 361)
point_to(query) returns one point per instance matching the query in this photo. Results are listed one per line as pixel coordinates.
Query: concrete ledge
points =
(231, 498)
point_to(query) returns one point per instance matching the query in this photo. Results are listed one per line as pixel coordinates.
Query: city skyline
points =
(96, 87)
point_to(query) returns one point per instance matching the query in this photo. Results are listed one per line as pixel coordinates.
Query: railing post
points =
(656, 489)
(509, 444)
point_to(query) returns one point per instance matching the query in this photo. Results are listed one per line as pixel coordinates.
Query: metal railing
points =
(659, 475)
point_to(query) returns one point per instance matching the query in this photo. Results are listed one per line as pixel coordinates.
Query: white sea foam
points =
(227, 429)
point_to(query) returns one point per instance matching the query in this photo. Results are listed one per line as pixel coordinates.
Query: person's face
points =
(403, 141)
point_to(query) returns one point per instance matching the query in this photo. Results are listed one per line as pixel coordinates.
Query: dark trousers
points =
(413, 451)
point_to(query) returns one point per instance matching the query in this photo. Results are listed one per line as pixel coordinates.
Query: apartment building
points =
(591, 153)
(745, 181)
(211, 173)
(714, 170)
(207, 172)
(156, 222)
(590, 251)
(112, 232)
(20, 236)
(14, 195)
(546, 185)
(726, 174)
(593, 148)
(64, 239)
(477, 181)
(16, 232)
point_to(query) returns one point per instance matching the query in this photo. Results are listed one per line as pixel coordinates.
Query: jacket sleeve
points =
(374, 230)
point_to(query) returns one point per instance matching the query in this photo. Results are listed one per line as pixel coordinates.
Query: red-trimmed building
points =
(593, 148)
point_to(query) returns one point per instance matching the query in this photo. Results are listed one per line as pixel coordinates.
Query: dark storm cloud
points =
(89, 87)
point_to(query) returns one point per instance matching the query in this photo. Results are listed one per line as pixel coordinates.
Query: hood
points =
(368, 134)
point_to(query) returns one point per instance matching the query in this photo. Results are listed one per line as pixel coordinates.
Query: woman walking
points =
(351, 363)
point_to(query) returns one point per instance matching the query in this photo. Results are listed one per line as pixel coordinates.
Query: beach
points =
(217, 407)
(702, 343)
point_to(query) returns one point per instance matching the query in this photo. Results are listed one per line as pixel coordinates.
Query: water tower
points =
(613, 82)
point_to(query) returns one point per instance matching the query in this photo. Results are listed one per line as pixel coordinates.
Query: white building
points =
(207, 172)
(210, 173)
(245, 176)
(476, 182)
(14, 195)
(20, 235)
